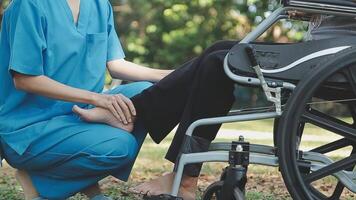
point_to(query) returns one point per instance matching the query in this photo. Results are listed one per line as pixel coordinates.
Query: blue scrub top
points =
(39, 37)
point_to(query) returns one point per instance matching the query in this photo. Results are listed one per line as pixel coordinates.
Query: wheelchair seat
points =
(350, 3)
(287, 62)
(331, 5)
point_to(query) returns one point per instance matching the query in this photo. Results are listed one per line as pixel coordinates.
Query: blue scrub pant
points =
(93, 152)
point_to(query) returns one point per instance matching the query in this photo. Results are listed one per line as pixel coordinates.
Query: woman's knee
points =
(127, 144)
(123, 146)
(142, 85)
(133, 89)
(117, 151)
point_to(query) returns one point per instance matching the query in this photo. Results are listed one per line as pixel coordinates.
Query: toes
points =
(76, 109)
(81, 112)
(142, 189)
(134, 190)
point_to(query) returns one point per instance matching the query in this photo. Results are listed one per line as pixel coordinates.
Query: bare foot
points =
(101, 115)
(25, 181)
(163, 185)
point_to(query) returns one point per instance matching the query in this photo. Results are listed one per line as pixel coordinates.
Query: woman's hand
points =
(119, 105)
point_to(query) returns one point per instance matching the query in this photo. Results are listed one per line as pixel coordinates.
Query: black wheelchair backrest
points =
(348, 6)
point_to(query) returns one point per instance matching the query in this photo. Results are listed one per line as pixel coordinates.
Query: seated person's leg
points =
(210, 95)
(178, 98)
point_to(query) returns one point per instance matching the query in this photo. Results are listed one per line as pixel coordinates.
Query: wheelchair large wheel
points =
(213, 192)
(317, 147)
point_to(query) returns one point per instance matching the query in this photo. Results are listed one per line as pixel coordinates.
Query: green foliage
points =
(8, 189)
(165, 33)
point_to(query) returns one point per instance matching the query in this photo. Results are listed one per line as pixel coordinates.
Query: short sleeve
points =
(27, 38)
(115, 50)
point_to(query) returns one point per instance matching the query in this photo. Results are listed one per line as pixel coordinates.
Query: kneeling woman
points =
(54, 55)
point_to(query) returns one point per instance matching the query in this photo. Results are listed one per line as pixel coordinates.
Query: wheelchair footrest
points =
(254, 148)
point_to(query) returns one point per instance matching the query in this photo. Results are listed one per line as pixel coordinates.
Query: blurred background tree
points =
(165, 33)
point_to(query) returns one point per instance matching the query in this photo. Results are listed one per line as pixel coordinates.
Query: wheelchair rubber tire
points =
(216, 187)
(294, 115)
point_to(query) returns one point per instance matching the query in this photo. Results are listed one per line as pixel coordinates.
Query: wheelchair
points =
(296, 78)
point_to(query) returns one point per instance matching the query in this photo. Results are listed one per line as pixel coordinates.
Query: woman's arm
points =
(122, 69)
(119, 105)
(44, 86)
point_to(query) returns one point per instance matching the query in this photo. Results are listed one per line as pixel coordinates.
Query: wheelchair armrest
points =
(337, 6)
(351, 3)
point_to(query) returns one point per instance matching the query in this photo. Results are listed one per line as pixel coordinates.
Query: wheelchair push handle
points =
(251, 53)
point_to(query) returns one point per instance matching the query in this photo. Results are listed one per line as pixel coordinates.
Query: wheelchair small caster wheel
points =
(213, 192)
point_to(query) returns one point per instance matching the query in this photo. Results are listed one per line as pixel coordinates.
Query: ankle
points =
(189, 181)
(25, 181)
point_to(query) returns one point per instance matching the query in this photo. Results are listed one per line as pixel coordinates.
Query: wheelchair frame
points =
(260, 154)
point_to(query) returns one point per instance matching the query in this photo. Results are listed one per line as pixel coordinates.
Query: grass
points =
(264, 183)
(267, 126)
(261, 125)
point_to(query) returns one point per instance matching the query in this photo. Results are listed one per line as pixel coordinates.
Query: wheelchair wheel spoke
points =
(331, 169)
(338, 191)
(351, 79)
(329, 123)
(316, 194)
(340, 186)
(332, 146)
(334, 196)
(353, 113)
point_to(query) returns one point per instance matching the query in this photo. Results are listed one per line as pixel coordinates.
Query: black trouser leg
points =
(211, 96)
(198, 89)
